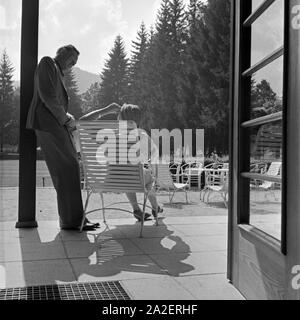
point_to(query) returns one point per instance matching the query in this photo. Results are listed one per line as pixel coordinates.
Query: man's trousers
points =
(62, 163)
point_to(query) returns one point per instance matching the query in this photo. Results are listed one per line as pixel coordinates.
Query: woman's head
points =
(130, 112)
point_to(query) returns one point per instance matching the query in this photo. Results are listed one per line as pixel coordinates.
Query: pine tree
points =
(151, 91)
(6, 96)
(178, 48)
(114, 78)
(138, 55)
(208, 52)
(197, 111)
(217, 26)
(168, 47)
(140, 92)
(74, 97)
(90, 99)
(12, 129)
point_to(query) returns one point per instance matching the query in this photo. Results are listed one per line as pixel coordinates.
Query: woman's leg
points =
(152, 196)
(148, 183)
(133, 200)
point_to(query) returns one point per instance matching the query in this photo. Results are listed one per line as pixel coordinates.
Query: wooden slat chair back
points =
(106, 165)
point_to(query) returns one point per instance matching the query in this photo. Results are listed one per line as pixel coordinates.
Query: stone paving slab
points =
(46, 205)
(190, 241)
(31, 273)
(156, 262)
(196, 263)
(159, 288)
(210, 287)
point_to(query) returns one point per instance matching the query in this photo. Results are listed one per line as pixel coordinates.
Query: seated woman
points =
(133, 113)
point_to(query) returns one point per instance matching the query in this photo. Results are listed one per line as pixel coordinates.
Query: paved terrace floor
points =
(183, 258)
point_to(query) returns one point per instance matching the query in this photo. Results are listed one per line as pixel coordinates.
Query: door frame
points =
(259, 266)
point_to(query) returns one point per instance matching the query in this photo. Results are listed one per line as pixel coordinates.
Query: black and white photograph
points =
(149, 153)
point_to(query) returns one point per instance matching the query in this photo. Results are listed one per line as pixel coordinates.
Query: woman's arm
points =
(96, 114)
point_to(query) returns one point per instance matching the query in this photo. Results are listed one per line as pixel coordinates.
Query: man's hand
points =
(69, 115)
(70, 123)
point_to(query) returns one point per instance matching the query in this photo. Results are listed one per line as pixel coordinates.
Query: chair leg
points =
(202, 193)
(88, 194)
(143, 216)
(170, 199)
(172, 196)
(156, 217)
(103, 208)
(206, 192)
(208, 196)
(224, 199)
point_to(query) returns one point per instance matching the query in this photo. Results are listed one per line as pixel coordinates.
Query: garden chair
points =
(209, 168)
(101, 175)
(164, 181)
(175, 169)
(216, 180)
(193, 171)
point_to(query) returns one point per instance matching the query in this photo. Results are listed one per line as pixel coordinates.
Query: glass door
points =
(265, 44)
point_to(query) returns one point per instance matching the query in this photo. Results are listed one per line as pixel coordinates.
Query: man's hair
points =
(66, 49)
(131, 112)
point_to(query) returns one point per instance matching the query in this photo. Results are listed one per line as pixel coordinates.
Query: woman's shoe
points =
(138, 214)
(159, 210)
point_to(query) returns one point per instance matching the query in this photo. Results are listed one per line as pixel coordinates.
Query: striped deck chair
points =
(106, 164)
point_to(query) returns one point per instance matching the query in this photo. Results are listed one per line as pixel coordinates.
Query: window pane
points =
(265, 207)
(265, 196)
(266, 142)
(267, 89)
(267, 32)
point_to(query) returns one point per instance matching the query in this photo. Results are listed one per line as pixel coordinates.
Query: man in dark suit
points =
(53, 126)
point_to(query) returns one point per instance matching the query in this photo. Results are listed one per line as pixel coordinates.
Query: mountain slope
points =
(84, 79)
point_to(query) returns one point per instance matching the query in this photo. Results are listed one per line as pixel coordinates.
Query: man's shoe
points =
(138, 214)
(88, 223)
(159, 210)
(84, 228)
(88, 227)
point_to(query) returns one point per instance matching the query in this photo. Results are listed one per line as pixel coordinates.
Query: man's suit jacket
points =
(49, 104)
